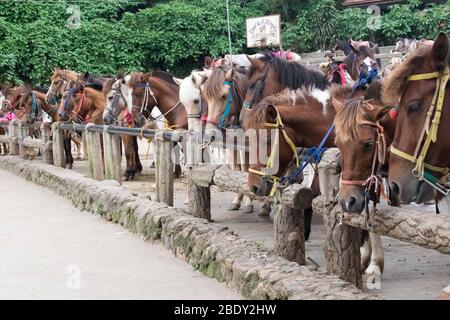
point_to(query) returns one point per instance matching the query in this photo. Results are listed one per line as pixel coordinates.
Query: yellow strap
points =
(424, 76)
(274, 179)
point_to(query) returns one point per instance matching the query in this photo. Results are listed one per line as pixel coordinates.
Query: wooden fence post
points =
(95, 160)
(23, 132)
(112, 156)
(200, 193)
(164, 169)
(59, 157)
(199, 196)
(289, 223)
(341, 246)
(48, 148)
(13, 133)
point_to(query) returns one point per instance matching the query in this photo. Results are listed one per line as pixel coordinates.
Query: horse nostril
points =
(255, 189)
(351, 202)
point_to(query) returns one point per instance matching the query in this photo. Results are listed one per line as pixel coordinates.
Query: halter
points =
(117, 95)
(270, 162)
(227, 111)
(379, 158)
(149, 93)
(429, 135)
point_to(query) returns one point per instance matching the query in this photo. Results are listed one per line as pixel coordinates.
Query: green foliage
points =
(129, 35)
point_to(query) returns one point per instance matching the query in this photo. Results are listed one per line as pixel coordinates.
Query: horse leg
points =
(236, 203)
(265, 209)
(137, 160)
(176, 152)
(248, 205)
(376, 266)
(68, 150)
(365, 250)
(307, 213)
(128, 156)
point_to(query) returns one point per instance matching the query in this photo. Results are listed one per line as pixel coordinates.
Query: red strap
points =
(204, 118)
(128, 117)
(342, 73)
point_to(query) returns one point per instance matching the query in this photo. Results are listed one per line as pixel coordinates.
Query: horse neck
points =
(307, 124)
(350, 62)
(168, 96)
(93, 105)
(240, 85)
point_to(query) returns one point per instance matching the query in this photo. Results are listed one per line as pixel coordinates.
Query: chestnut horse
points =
(156, 89)
(420, 157)
(59, 81)
(80, 103)
(303, 119)
(364, 132)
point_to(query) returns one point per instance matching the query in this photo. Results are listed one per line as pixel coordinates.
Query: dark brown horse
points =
(420, 155)
(270, 75)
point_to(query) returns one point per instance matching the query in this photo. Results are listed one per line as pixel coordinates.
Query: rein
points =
(227, 111)
(270, 162)
(258, 90)
(429, 135)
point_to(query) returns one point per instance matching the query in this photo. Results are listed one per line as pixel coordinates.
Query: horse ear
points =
(271, 114)
(354, 49)
(378, 112)
(440, 49)
(256, 63)
(177, 81)
(229, 75)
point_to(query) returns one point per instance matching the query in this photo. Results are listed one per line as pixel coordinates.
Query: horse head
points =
(419, 152)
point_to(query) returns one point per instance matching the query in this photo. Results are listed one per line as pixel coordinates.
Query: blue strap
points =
(313, 154)
(227, 107)
(34, 105)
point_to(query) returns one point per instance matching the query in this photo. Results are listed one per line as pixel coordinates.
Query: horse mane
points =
(395, 83)
(355, 110)
(213, 85)
(163, 75)
(343, 45)
(107, 86)
(292, 74)
(287, 97)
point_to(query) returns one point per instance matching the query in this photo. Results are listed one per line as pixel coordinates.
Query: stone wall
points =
(245, 266)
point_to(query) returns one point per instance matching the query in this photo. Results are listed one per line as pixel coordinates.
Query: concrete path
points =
(50, 250)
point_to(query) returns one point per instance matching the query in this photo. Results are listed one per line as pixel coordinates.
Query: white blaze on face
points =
(128, 93)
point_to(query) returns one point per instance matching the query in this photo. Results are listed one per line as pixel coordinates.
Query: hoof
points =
(248, 209)
(373, 269)
(265, 211)
(69, 166)
(177, 172)
(234, 207)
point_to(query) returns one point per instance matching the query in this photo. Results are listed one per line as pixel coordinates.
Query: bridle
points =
(279, 126)
(118, 94)
(375, 181)
(429, 135)
(149, 94)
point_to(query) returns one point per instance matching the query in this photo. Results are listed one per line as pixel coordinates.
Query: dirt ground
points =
(410, 272)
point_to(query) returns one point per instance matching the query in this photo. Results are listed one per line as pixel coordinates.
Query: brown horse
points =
(59, 81)
(364, 131)
(338, 72)
(80, 103)
(156, 89)
(34, 105)
(419, 153)
(270, 75)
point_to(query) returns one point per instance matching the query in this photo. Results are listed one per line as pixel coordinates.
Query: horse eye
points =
(110, 98)
(414, 107)
(224, 96)
(369, 145)
(196, 101)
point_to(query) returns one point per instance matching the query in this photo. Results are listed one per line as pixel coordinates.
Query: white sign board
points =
(263, 31)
